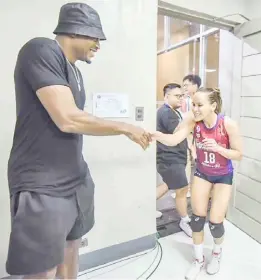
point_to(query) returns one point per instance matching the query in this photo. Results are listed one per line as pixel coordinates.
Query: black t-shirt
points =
(44, 159)
(167, 121)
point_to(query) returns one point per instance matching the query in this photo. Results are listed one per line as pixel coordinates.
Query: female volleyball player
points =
(218, 142)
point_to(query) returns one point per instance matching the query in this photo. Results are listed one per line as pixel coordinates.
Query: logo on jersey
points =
(200, 145)
(198, 128)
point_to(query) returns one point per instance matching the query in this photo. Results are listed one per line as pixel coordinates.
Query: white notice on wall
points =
(111, 105)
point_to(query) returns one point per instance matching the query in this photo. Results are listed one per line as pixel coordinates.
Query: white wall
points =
(252, 9)
(124, 174)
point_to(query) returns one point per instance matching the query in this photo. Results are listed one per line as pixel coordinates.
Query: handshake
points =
(140, 136)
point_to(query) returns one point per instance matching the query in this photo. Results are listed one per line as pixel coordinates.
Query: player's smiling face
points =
(201, 106)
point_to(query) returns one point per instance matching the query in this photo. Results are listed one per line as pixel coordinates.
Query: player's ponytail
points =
(214, 96)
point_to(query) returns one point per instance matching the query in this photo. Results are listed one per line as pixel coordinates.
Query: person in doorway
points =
(191, 83)
(218, 142)
(51, 188)
(171, 161)
(161, 190)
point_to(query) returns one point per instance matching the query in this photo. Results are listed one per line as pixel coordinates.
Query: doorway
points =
(183, 47)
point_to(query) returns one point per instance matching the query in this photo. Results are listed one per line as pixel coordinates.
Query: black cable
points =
(159, 262)
(119, 261)
(150, 264)
(154, 270)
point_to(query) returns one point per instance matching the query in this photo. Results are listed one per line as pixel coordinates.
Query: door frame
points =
(216, 24)
(230, 75)
(194, 16)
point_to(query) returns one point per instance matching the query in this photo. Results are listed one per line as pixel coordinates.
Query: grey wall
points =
(245, 98)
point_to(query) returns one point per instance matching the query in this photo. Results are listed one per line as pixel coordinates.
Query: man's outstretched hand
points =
(139, 136)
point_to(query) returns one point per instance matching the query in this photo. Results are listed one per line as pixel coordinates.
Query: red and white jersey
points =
(208, 162)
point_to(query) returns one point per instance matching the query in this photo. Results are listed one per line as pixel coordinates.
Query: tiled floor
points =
(241, 260)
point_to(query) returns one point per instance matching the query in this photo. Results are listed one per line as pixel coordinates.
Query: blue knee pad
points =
(217, 230)
(197, 223)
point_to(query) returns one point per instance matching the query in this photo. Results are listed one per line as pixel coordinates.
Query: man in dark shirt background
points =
(51, 188)
(171, 161)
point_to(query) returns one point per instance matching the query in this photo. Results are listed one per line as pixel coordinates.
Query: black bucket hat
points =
(79, 19)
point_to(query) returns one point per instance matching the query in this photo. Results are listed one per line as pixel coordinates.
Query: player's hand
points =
(139, 136)
(211, 145)
(156, 135)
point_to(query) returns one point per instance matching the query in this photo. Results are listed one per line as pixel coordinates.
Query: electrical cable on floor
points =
(157, 265)
(143, 273)
(132, 258)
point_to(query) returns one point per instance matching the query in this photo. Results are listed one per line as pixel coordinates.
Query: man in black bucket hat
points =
(80, 19)
(82, 23)
(51, 189)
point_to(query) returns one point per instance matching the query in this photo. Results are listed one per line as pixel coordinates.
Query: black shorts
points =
(42, 224)
(174, 175)
(221, 179)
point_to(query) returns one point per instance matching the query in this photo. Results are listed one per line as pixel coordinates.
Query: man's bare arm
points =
(60, 105)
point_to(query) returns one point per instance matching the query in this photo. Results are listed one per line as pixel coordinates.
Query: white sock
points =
(218, 244)
(217, 248)
(185, 219)
(198, 250)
